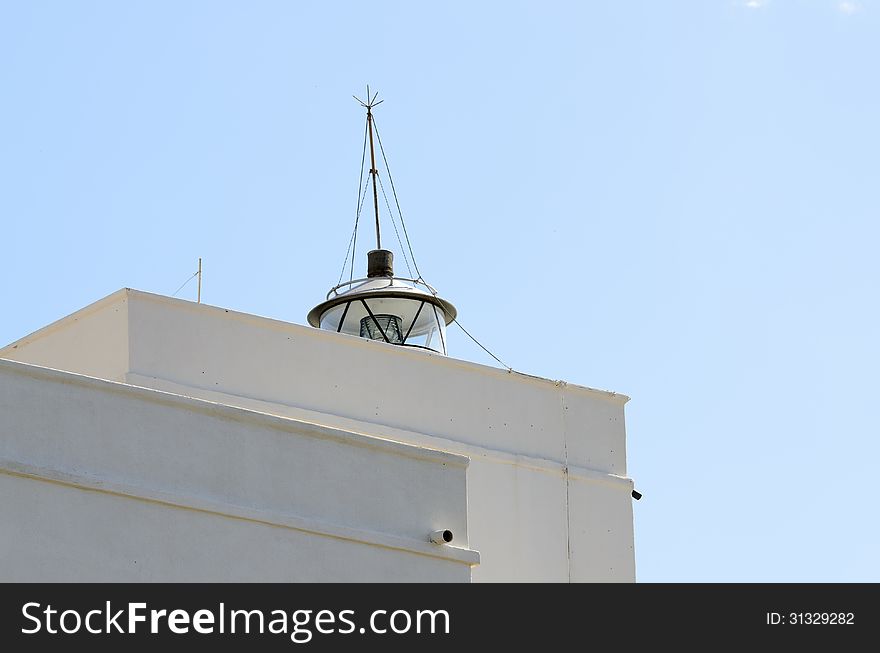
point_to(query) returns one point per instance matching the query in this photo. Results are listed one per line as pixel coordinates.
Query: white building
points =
(149, 438)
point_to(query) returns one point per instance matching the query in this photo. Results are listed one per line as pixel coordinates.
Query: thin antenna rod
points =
(369, 104)
(374, 173)
(199, 294)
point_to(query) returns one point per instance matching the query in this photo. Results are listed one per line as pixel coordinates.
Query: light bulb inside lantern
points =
(373, 327)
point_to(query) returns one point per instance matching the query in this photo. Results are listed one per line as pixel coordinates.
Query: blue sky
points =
(674, 200)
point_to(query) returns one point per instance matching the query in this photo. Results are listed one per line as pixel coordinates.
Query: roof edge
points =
(125, 293)
(60, 323)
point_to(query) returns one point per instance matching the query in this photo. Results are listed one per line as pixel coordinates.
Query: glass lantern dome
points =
(386, 308)
(382, 307)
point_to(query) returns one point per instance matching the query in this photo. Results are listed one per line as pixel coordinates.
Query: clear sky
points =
(673, 200)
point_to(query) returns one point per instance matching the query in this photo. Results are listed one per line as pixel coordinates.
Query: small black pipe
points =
(380, 263)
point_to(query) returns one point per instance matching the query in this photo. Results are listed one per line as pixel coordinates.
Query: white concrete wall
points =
(548, 496)
(217, 349)
(93, 341)
(105, 481)
(61, 533)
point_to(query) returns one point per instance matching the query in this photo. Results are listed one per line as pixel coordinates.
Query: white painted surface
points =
(601, 520)
(64, 534)
(79, 456)
(529, 519)
(93, 341)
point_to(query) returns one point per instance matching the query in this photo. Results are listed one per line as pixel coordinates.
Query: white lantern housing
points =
(405, 312)
(386, 308)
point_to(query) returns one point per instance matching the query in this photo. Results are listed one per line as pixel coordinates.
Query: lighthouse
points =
(149, 438)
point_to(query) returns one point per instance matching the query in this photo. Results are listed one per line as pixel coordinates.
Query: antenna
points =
(368, 105)
(197, 273)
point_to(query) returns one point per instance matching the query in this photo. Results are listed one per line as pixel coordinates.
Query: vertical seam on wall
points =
(567, 476)
(126, 300)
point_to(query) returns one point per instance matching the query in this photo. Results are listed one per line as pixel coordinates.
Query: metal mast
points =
(369, 104)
